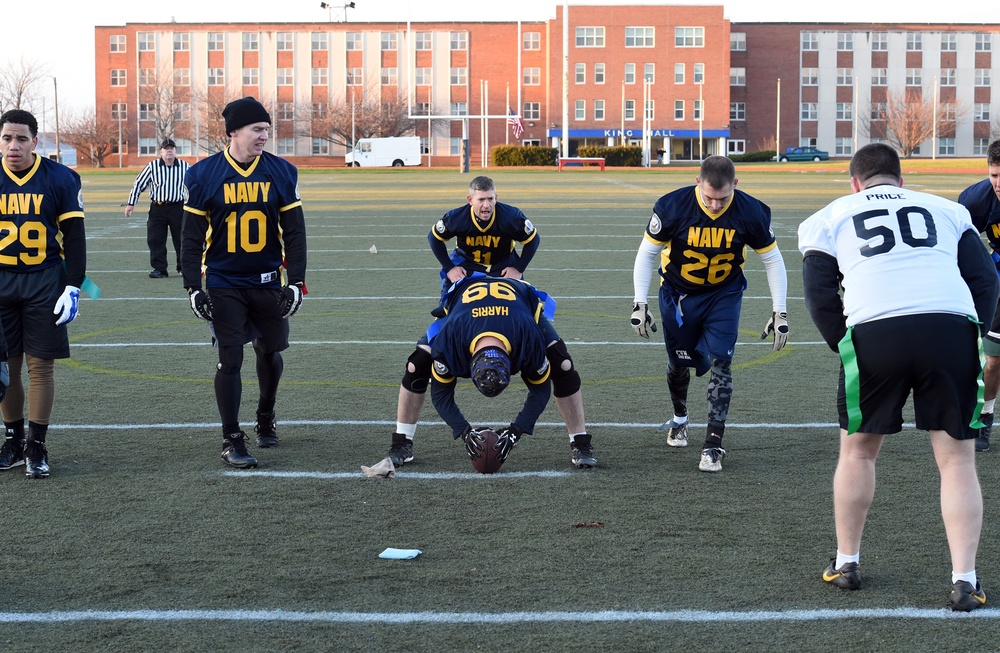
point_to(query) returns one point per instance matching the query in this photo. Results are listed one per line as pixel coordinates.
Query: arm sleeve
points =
(642, 270)
(443, 396)
(440, 251)
(821, 283)
(193, 230)
(74, 243)
(534, 404)
(293, 235)
(980, 275)
(777, 279)
(527, 253)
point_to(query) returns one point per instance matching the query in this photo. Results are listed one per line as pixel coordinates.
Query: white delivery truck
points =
(397, 151)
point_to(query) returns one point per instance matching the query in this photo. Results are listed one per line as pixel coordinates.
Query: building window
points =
(146, 41)
(459, 40)
(914, 42)
(458, 76)
(319, 41)
(455, 146)
(880, 42)
(251, 76)
(982, 77)
(390, 76)
(810, 41)
(532, 76)
(182, 41)
(580, 75)
(422, 41)
(845, 111)
(844, 146)
(983, 43)
(640, 37)
(949, 42)
(678, 109)
(737, 41)
(459, 108)
(148, 146)
(630, 73)
(699, 73)
(320, 147)
(878, 110)
(697, 110)
(532, 40)
(914, 77)
(598, 73)
(317, 110)
(118, 77)
(532, 111)
(736, 146)
(946, 146)
(147, 111)
(979, 146)
(117, 43)
(737, 76)
(650, 110)
(286, 146)
(354, 76)
(422, 76)
(251, 41)
(598, 109)
(845, 41)
(119, 111)
(286, 111)
(737, 110)
(216, 41)
(147, 77)
(422, 108)
(389, 41)
(679, 73)
(649, 72)
(216, 77)
(590, 37)
(182, 112)
(629, 109)
(845, 77)
(981, 111)
(580, 110)
(352, 41)
(283, 41)
(810, 76)
(320, 77)
(810, 111)
(949, 112)
(182, 76)
(948, 77)
(880, 76)
(689, 37)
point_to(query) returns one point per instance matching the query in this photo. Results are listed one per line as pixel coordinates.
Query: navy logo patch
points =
(654, 224)
(439, 227)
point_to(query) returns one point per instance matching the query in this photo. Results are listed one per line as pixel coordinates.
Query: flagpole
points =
(506, 132)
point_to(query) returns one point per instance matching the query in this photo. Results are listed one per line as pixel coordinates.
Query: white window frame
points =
(689, 36)
(640, 37)
(588, 36)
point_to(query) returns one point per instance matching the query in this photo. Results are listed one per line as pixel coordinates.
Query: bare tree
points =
(211, 133)
(93, 135)
(364, 116)
(906, 119)
(159, 100)
(21, 85)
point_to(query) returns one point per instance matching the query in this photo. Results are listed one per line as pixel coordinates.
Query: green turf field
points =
(141, 540)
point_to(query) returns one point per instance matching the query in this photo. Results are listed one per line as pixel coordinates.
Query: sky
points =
(60, 36)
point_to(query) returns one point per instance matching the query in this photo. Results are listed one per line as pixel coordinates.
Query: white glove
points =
(68, 306)
(642, 319)
(778, 324)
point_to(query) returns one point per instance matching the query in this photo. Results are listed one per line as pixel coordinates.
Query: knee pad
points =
(565, 378)
(230, 360)
(417, 380)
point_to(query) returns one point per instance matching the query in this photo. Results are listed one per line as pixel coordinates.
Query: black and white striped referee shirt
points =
(165, 183)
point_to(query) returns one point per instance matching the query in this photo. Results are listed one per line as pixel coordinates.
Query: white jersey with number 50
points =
(897, 250)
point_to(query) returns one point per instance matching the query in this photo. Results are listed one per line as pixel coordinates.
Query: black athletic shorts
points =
(245, 314)
(27, 300)
(936, 355)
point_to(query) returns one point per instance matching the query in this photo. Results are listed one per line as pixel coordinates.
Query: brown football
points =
(486, 461)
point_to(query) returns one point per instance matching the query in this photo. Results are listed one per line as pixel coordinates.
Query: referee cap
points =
(167, 142)
(243, 112)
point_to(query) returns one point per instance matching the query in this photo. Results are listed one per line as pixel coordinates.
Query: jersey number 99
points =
(478, 291)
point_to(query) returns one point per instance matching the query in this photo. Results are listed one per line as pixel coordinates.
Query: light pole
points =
(55, 87)
(119, 112)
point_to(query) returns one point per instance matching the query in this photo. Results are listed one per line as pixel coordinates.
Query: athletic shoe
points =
(266, 430)
(711, 459)
(983, 439)
(36, 459)
(11, 453)
(158, 274)
(401, 451)
(966, 598)
(234, 451)
(848, 577)
(583, 452)
(677, 434)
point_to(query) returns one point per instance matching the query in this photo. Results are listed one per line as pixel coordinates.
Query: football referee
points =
(164, 178)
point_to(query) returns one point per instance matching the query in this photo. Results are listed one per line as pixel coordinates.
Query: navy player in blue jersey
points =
(495, 328)
(244, 222)
(698, 236)
(983, 201)
(43, 260)
(485, 231)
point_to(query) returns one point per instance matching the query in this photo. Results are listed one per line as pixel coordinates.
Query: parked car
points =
(802, 154)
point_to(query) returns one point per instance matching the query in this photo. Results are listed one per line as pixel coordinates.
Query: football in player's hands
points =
(482, 448)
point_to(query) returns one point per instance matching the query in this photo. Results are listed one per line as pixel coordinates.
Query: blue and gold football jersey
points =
(703, 251)
(484, 247)
(243, 209)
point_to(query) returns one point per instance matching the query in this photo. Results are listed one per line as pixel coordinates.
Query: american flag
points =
(515, 121)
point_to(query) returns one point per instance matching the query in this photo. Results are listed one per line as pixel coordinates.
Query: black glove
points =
(473, 441)
(507, 441)
(290, 299)
(201, 304)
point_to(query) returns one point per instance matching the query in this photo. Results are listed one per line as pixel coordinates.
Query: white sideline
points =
(680, 616)
(385, 422)
(245, 473)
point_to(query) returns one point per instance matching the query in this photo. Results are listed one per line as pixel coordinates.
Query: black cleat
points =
(848, 577)
(158, 274)
(401, 451)
(36, 460)
(963, 597)
(266, 430)
(234, 451)
(983, 439)
(11, 453)
(583, 452)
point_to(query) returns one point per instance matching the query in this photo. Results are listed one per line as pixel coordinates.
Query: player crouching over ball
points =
(495, 328)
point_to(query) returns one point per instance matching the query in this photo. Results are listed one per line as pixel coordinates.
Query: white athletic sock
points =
(968, 576)
(843, 559)
(678, 420)
(988, 405)
(406, 429)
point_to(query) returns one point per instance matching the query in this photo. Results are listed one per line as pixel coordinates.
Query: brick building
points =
(707, 86)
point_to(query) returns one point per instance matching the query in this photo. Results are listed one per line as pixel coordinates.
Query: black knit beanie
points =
(243, 112)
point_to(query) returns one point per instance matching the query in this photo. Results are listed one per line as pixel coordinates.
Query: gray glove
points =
(778, 325)
(641, 319)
